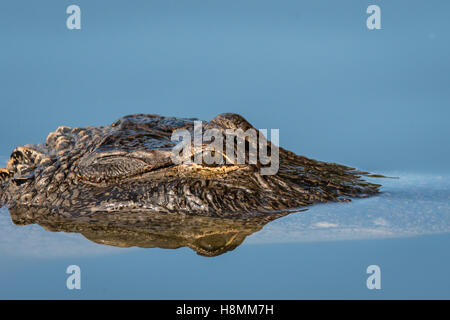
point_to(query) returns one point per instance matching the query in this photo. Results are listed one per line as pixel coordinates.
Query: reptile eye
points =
(113, 165)
(98, 168)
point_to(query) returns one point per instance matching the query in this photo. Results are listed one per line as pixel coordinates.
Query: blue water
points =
(329, 270)
(321, 253)
(375, 100)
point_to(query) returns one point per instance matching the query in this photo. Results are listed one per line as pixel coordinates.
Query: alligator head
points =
(128, 166)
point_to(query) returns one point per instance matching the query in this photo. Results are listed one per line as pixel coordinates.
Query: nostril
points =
(15, 158)
(22, 156)
(4, 175)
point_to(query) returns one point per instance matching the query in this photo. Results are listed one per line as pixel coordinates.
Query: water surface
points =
(373, 100)
(319, 253)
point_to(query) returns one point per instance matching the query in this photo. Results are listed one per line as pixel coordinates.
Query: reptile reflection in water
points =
(208, 236)
(119, 184)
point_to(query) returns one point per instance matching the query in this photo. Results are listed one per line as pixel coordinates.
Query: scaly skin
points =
(127, 166)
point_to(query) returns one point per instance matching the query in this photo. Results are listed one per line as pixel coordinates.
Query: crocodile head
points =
(129, 165)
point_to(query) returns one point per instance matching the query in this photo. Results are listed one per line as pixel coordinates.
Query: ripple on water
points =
(415, 204)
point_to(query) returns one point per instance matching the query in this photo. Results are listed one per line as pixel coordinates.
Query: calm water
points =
(319, 253)
(375, 100)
